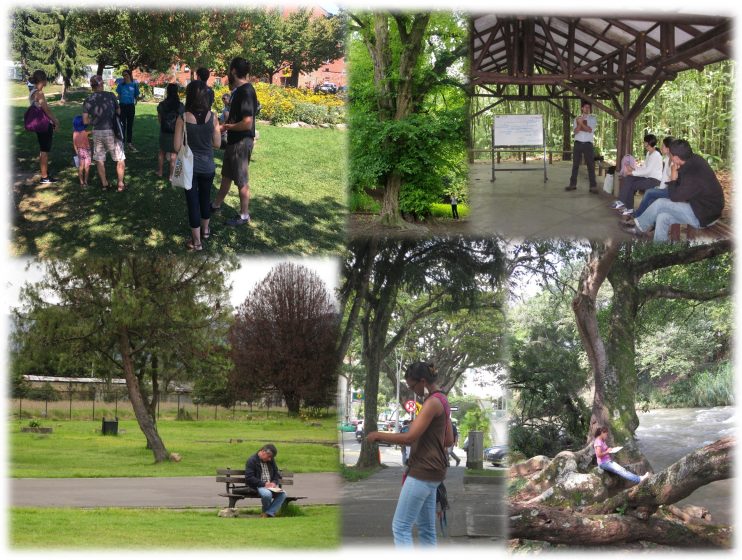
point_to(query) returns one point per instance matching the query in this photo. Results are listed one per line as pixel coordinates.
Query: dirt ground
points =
(367, 225)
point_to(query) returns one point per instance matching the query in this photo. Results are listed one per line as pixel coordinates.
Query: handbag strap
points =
(185, 130)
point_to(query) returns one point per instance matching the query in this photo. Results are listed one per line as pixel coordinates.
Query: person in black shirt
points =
(203, 75)
(240, 127)
(262, 474)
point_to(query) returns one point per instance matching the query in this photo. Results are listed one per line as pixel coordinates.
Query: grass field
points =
(311, 527)
(77, 449)
(297, 182)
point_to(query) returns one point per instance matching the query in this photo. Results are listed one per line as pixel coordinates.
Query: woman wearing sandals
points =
(36, 97)
(430, 435)
(203, 135)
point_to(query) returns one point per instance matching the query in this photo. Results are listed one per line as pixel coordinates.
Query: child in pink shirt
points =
(81, 144)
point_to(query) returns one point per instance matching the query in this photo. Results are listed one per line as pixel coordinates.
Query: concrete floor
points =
(519, 204)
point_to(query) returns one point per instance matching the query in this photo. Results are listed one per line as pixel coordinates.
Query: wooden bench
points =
(237, 489)
(719, 229)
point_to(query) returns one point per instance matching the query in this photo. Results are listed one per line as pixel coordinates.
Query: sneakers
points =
(628, 212)
(238, 221)
(131, 148)
(618, 205)
(570, 188)
(47, 180)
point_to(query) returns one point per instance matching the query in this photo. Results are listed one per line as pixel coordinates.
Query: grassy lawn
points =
(312, 527)
(297, 183)
(77, 449)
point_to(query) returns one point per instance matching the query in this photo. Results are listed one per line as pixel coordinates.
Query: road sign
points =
(409, 406)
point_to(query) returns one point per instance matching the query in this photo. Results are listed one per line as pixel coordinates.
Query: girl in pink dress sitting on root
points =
(81, 144)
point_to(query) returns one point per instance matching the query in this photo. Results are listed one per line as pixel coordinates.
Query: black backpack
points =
(169, 117)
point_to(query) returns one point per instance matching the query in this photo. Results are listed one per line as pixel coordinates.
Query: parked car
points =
(497, 455)
(327, 87)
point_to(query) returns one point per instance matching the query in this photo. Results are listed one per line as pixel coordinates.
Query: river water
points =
(666, 435)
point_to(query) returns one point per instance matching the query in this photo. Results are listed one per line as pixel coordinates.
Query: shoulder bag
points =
(183, 174)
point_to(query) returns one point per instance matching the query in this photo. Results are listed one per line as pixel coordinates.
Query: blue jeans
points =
(416, 506)
(649, 197)
(271, 502)
(615, 468)
(662, 214)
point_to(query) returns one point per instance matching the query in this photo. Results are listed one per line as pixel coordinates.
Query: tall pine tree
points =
(53, 45)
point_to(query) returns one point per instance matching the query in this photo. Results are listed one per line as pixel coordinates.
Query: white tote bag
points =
(608, 183)
(183, 173)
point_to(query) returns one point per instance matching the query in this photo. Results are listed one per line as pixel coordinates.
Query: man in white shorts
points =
(99, 111)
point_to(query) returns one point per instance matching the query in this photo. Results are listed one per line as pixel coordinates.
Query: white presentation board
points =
(518, 130)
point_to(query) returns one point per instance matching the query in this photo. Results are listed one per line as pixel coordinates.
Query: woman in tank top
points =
(36, 97)
(204, 135)
(430, 435)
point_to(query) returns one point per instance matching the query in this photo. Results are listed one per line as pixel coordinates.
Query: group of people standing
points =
(679, 186)
(111, 118)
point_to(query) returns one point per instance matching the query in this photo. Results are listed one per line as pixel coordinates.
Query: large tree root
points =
(559, 526)
(561, 505)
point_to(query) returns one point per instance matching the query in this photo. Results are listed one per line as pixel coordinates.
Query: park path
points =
(477, 514)
(181, 492)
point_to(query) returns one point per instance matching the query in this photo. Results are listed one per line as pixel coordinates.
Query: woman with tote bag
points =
(197, 132)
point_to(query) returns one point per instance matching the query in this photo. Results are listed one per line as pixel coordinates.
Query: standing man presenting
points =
(261, 473)
(240, 127)
(585, 125)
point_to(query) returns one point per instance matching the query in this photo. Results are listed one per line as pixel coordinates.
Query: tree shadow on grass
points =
(64, 219)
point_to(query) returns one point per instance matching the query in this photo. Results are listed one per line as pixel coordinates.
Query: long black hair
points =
(197, 97)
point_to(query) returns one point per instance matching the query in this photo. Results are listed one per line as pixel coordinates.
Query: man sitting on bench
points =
(696, 196)
(261, 473)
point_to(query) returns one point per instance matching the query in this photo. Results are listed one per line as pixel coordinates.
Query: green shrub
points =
(440, 210)
(363, 202)
(310, 113)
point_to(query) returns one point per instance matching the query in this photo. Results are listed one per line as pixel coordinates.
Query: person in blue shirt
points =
(128, 92)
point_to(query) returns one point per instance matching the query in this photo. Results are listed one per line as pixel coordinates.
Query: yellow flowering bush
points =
(281, 105)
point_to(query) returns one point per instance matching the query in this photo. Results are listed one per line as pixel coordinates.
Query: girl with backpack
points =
(168, 111)
(430, 435)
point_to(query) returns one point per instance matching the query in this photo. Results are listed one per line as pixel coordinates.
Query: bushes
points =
(713, 387)
(281, 105)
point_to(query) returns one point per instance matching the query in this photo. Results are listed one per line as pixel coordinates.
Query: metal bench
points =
(237, 489)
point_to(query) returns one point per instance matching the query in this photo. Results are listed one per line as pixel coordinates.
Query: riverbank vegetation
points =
(615, 327)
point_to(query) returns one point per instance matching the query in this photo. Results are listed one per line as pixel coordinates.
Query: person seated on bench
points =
(640, 177)
(261, 473)
(658, 192)
(696, 197)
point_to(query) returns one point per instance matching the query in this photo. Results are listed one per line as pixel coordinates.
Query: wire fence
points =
(88, 405)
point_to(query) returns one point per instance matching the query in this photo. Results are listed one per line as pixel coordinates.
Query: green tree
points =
(443, 275)
(131, 312)
(52, 44)
(408, 127)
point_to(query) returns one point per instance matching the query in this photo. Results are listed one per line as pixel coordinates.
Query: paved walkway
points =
(199, 491)
(478, 513)
(521, 204)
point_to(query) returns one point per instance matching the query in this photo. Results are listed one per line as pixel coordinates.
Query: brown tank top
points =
(428, 458)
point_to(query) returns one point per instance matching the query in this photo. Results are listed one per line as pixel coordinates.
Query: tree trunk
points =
(369, 456)
(293, 402)
(138, 402)
(390, 205)
(620, 378)
(558, 526)
(584, 307)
